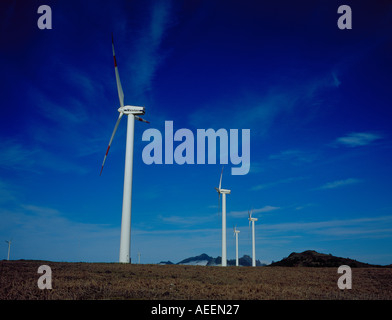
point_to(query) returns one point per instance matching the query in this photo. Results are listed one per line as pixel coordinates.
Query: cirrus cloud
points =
(356, 139)
(339, 183)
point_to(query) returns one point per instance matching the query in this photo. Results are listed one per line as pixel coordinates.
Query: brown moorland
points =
(96, 281)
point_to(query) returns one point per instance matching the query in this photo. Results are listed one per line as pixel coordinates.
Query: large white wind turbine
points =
(132, 112)
(223, 192)
(9, 248)
(236, 232)
(253, 237)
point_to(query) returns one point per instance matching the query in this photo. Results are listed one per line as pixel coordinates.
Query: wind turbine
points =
(223, 192)
(236, 232)
(9, 248)
(253, 237)
(133, 113)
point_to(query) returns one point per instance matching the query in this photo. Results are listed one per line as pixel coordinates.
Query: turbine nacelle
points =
(226, 191)
(135, 110)
(250, 217)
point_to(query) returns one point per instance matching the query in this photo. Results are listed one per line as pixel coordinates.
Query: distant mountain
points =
(165, 262)
(308, 258)
(201, 260)
(206, 260)
(245, 261)
(311, 258)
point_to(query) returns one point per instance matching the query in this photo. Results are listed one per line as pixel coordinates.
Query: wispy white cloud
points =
(244, 213)
(47, 233)
(186, 220)
(360, 227)
(262, 110)
(147, 54)
(183, 230)
(294, 156)
(307, 205)
(340, 183)
(356, 139)
(336, 81)
(6, 192)
(66, 121)
(68, 112)
(83, 83)
(275, 183)
(18, 155)
(256, 167)
(41, 210)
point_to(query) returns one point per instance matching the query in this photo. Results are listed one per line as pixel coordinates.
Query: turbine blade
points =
(119, 87)
(111, 139)
(220, 181)
(219, 193)
(142, 120)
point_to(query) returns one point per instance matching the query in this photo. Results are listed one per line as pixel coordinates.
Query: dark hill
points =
(311, 258)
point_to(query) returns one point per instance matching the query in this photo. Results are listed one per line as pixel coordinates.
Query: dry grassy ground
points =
(95, 281)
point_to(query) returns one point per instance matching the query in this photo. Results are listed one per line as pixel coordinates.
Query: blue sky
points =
(317, 101)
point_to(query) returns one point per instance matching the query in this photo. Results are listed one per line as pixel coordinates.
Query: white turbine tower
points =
(236, 232)
(253, 237)
(223, 192)
(132, 112)
(9, 248)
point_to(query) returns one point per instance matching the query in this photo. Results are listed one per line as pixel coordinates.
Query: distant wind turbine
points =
(223, 192)
(133, 113)
(9, 248)
(236, 232)
(253, 237)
